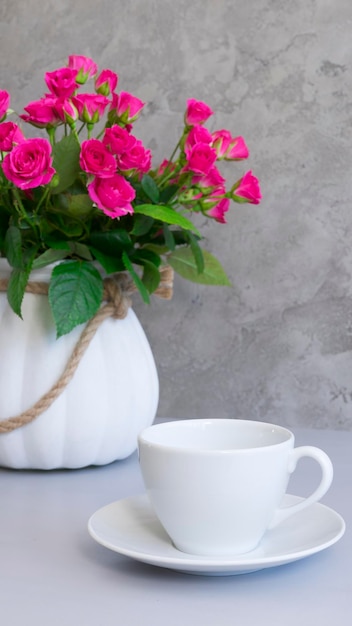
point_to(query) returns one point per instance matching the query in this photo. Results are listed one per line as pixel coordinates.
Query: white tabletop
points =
(52, 573)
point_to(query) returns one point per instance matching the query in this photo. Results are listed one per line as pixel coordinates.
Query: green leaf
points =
(66, 162)
(80, 205)
(112, 242)
(75, 294)
(183, 262)
(71, 228)
(142, 225)
(150, 188)
(197, 253)
(81, 250)
(151, 276)
(57, 243)
(166, 214)
(143, 254)
(110, 264)
(64, 223)
(48, 257)
(13, 247)
(158, 249)
(16, 288)
(169, 238)
(168, 193)
(136, 279)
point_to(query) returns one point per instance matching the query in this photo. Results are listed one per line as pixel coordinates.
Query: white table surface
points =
(52, 573)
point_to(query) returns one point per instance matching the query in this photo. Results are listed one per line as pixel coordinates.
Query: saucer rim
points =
(210, 565)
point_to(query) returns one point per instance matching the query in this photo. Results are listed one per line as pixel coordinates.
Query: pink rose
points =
(84, 65)
(213, 180)
(228, 147)
(112, 195)
(201, 158)
(220, 142)
(62, 83)
(90, 106)
(247, 189)
(10, 135)
(165, 169)
(137, 159)
(106, 82)
(114, 101)
(96, 159)
(4, 104)
(197, 134)
(42, 113)
(218, 211)
(128, 107)
(113, 117)
(197, 112)
(118, 140)
(29, 164)
(189, 196)
(164, 166)
(66, 111)
(237, 150)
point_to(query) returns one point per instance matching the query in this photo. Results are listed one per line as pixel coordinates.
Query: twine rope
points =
(118, 290)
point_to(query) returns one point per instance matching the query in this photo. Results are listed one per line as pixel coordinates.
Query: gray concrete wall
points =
(278, 345)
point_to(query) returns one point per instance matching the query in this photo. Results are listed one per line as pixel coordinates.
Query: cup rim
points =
(188, 423)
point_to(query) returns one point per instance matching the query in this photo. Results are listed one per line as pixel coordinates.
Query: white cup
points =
(216, 485)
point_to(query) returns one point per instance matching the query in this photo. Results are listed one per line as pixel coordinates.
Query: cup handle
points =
(326, 479)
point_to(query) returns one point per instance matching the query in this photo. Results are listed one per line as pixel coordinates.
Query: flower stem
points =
(51, 132)
(41, 201)
(18, 203)
(80, 130)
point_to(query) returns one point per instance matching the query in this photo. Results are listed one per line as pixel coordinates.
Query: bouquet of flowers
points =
(85, 195)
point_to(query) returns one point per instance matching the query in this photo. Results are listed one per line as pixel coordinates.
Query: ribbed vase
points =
(112, 396)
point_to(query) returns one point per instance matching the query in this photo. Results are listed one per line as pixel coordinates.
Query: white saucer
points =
(130, 527)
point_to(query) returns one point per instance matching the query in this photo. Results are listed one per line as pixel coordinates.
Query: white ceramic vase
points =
(96, 420)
